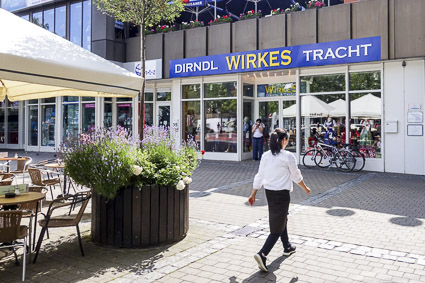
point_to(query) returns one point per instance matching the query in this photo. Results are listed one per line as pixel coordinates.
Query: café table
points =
(8, 159)
(56, 167)
(23, 198)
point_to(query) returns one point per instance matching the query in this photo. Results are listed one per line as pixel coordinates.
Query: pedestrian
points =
(257, 140)
(278, 169)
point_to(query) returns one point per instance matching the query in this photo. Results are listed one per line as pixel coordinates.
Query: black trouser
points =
(278, 202)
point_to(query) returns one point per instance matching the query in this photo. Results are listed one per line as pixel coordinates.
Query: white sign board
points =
(391, 127)
(415, 130)
(414, 117)
(153, 68)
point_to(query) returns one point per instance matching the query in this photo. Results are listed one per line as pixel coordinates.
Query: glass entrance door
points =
(269, 115)
(289, 111)
(163, 115)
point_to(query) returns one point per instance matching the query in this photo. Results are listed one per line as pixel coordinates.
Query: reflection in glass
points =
(48, 125)
(37, 18)
(164, 116)
(89, 117)
(269, 115)
(289, 122)
(248, 90)
(107, 115)
(124, 116)
(192, 121)
(220, 125)
(88, 98)
(248, 116)
(149, 114)
(25, 17)
(191, 91)
(212, 90)
(365, 124)
(2, 125)
(33, 125)
(60, 21)
(13, 125)
(322, 116)
(272, 90)
(148, 96)
(87, 24)
(163, 96)
(323, 83)
(70, 120)
(49, 20)
(365, 80)
(76, 23)
(48, 100)
(33, 101)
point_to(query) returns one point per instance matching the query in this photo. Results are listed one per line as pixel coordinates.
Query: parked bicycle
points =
(358, 155)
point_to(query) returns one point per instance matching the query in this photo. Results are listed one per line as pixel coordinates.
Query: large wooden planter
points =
(152, 216)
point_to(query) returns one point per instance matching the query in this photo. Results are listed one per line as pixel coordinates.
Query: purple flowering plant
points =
(108, 159)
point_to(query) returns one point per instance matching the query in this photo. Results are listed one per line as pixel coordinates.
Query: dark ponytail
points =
(276, 139)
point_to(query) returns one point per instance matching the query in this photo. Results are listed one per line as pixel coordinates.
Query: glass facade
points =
(86, 25)
(76, 23)
(192, 121)
(60, 21)
(48, 121)
(33, 125)
(71, 119)
(49, 20)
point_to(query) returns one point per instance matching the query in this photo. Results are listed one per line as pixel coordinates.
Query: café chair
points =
(37, 180)
(64, 220)
(6, 179)
(12, 230)
(22, 167)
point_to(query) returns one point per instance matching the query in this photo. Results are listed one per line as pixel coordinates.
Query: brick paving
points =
(354, 227)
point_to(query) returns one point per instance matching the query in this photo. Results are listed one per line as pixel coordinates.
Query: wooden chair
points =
(10, 231)
(22, 167)
(6, 179)
(64, 220)
(37, 180)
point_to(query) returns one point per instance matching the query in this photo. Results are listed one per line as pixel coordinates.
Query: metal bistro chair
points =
(10, 231)
(64, 220)
(22, 167)
(37, 180)
(6, 179)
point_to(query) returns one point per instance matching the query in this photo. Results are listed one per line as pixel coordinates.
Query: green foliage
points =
(192, 24)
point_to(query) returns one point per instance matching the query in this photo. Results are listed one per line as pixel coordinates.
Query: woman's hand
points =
(251, 199)
(307, 190)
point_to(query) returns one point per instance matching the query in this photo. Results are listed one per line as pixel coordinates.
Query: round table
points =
(22, 198)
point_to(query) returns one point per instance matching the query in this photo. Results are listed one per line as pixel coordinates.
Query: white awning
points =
(36, 63)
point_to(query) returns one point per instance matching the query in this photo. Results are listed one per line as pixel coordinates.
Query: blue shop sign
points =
(320, 54)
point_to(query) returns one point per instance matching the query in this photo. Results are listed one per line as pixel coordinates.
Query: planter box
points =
(152, 216)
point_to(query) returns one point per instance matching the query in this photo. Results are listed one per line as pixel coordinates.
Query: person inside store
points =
(278, 169)
(257, 140)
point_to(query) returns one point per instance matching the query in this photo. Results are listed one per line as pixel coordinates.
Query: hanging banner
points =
(320, 54)
(194, 3)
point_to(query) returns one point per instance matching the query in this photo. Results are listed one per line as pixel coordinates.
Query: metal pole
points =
(215, 9)
(256, 7)
(197, 13)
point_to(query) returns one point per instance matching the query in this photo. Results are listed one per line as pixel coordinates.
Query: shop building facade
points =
(377, 103)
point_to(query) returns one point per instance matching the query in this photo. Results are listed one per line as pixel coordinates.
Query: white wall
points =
(403, 86)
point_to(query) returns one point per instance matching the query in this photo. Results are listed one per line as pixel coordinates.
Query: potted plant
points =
(250, 14)
(165, 28)
(293, 8)
(192, 24)
(224, 19)
(314, 4)
(140, 189)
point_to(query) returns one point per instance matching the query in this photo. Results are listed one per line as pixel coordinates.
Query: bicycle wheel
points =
(323, 158)
(309, 158)
(345, 161)
(360, 160)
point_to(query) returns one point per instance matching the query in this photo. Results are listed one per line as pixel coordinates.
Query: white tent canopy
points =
(36, 63)
(339, 107)
(367, 106)
(311, 106)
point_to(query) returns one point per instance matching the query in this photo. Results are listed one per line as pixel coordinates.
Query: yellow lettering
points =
(294, 88)
(273, 59)
(279, 90)
(286, 57)
(233, 63)
(269, 89)
(250, 59)
(243, 61)
(262, 59)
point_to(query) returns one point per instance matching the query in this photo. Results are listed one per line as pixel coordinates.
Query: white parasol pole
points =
(215, 9)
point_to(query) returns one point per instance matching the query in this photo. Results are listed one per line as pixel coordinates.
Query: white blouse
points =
(277, 172)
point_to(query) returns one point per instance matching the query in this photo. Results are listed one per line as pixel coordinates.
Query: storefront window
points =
(13, 123)
(273, 90)
(323, 83)
(70, 120)
(289, 122)
(87, 24)
(49, 20)
(269, 115)
(60, 21)
(323, 119)
(124, 115)
(76, 23)
(33, 125)
(163, 96)
(365, 80)
(248, 118)
(37, 18)
(149, 96)
(89, 117)
(191, 91)
(192, 121)
(220, 125)
(25, 17)
(248, 90)
(365, 124)
(213, 90)
(149, 114)
(164, 115)
(2, 126)
(107, 114)
(48, 120)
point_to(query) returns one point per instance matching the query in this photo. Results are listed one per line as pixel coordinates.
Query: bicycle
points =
(358, 155)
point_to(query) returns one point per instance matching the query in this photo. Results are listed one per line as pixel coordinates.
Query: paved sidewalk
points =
(353, 227)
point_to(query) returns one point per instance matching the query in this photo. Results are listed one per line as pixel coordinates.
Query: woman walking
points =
(278, 168)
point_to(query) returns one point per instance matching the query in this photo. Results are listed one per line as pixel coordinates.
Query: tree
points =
(144, 13)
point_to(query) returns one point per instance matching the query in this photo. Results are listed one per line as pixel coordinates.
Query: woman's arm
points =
(251, 199)
(304, 187)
